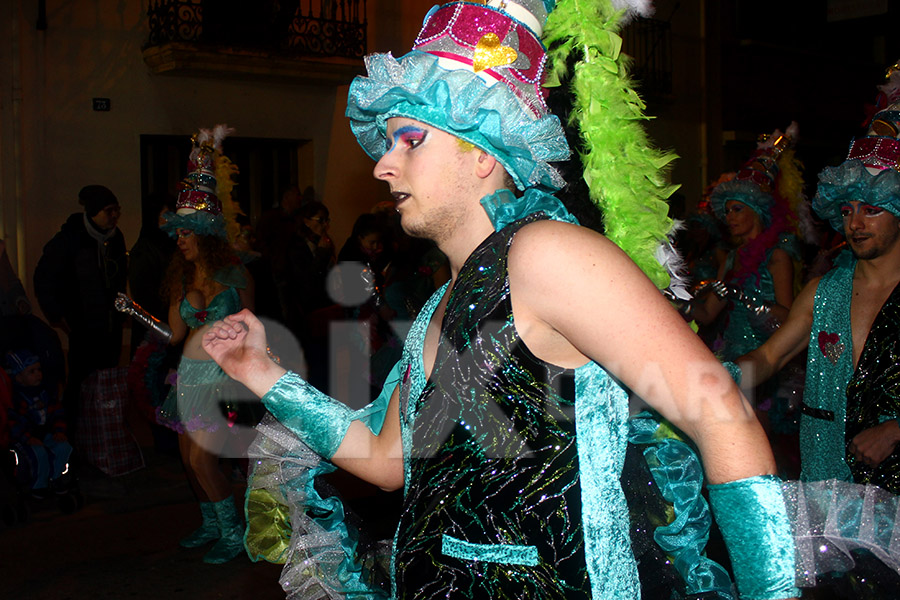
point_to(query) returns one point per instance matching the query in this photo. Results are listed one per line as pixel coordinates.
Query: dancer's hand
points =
(871, 446)
(238, 344)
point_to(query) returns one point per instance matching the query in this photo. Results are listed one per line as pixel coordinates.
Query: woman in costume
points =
(205, 282)
(755, 283)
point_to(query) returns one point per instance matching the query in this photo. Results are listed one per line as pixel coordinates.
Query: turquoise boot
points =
(231, 534)
(208, 530)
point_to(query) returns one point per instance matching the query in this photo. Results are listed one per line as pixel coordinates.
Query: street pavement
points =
(123, 545)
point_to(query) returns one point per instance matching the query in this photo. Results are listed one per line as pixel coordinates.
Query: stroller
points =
(19, 472)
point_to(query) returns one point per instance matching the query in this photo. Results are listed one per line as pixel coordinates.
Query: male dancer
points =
(848, 321)
(506, 421)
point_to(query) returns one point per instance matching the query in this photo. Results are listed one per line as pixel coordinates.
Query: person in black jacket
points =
(81, 270)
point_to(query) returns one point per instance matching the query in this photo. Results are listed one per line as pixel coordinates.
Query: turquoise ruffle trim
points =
(323, 558)
(201, 223)
(745, 192)
(462, 104)
(503, 207)
(852, 181)
(678, 473)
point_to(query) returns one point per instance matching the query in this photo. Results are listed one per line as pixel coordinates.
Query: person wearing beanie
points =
(80, 272)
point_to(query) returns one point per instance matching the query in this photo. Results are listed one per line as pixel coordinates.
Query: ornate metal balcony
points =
(311, 39)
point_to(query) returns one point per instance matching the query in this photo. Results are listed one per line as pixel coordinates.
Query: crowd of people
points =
(505, 414)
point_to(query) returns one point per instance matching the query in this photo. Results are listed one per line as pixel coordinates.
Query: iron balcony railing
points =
(313, 28)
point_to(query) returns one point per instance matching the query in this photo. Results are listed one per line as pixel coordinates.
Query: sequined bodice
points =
(743, 332)
(222, 304)
(741, 335)
(493, 508)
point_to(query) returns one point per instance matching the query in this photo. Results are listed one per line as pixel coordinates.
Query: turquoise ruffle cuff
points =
(752, 517)
(317, 419)
(320, 421)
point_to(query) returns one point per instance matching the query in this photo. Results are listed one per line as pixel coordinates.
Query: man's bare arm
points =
(612, 314)
(238, 345)
(787, 342)
(377, 459)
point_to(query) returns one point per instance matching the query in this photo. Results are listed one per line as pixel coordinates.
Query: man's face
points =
(108, 217)
(318, 224)
(430, 177)
(871, 230)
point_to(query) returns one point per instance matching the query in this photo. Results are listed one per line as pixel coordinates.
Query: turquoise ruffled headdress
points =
(475, 72)
(756, 182)
(871, 171)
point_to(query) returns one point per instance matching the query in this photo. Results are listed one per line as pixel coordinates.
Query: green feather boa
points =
(627, 178)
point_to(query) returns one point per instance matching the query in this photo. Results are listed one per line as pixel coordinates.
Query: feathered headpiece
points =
(204, 202)
(759, 180)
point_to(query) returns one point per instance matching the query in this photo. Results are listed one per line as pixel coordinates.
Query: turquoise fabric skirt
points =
(198, 400)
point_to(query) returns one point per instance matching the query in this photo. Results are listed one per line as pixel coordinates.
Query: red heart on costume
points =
(831, 346)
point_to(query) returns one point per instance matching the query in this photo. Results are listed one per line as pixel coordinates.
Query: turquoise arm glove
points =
(753, 520)
(320, 421)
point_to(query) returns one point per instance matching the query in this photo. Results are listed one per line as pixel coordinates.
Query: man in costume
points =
(505, 421)
(847, 320)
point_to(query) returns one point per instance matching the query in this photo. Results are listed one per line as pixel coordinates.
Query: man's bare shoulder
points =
(562, 246)
(800, 317)
(807, 295)
(554, 265)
